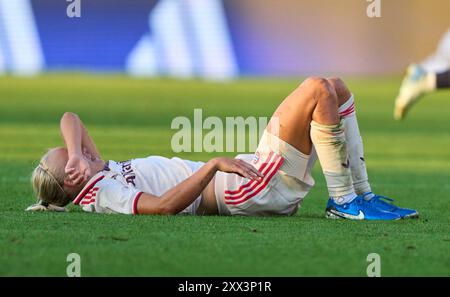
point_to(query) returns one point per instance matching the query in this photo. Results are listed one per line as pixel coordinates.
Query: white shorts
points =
(440, 60)
(287, 180)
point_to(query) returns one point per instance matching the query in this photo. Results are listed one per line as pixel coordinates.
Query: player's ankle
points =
(431, 82)
(368, 195)
(344, 199)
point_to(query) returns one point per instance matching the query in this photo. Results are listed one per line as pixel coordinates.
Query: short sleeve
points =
(115, 197)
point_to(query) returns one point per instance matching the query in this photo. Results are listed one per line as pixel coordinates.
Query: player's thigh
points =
(291, 120)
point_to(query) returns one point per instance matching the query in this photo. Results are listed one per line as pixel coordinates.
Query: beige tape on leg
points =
(330, 145)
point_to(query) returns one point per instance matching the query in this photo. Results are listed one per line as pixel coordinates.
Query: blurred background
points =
(108, 60)
(218, 39)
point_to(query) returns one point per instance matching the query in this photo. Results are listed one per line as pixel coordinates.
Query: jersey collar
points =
(91, 183)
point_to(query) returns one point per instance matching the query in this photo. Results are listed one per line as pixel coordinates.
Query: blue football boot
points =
(385, 204)
(358, 209)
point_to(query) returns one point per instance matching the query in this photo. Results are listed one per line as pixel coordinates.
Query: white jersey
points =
(118, 188)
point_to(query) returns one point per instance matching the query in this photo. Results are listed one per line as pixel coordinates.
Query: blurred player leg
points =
(416, 83)
(421, 79)
(439, 61)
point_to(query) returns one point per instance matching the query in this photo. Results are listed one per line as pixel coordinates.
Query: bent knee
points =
(320, 87)
(317, 82)
(341, 89)
(336, 81)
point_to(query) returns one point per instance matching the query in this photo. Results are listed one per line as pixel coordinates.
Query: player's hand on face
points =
(239, 167)
(78, 169)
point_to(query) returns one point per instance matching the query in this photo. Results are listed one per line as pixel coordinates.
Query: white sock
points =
(345, 199)
(331, 149)
(431, 81)
(355, 147)
(369, 195)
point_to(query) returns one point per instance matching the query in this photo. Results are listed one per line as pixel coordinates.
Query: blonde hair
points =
(48, 183)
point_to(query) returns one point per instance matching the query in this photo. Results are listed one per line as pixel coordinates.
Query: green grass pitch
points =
(408, 161)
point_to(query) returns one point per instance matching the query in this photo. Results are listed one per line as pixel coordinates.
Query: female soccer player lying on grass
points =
(316, 120)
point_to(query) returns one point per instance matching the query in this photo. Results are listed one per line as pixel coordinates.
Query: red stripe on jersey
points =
(86, 189)
(90, 196)
(84, 202)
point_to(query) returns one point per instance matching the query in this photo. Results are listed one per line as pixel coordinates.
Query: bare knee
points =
(314, 93)
(319, 83)
(324, 98)
(320, 88)
(342, 91)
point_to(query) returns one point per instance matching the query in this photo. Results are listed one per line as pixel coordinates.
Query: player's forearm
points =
(182, 195)
(76, 136)
(71, 133)
(87, 142)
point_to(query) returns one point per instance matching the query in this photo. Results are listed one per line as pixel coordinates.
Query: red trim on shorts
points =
(251, 182)
(256, 182)
(262, 185)
(135, 202)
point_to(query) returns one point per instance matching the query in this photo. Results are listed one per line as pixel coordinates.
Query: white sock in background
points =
(355, 148)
